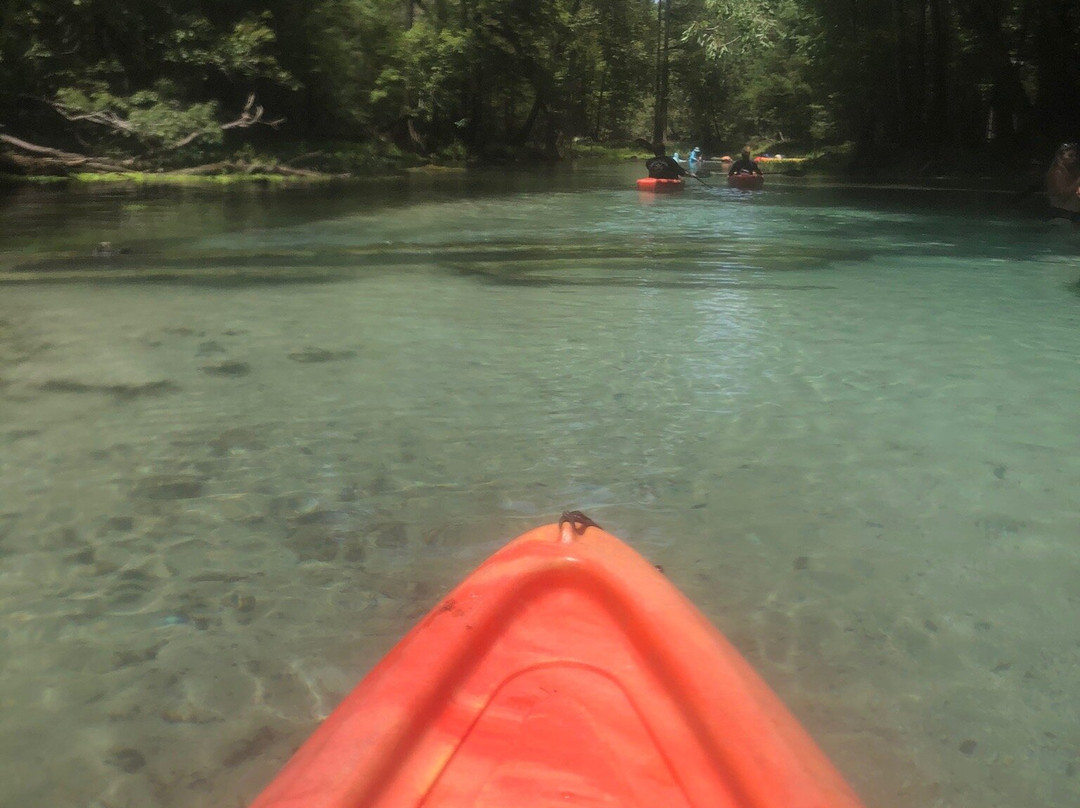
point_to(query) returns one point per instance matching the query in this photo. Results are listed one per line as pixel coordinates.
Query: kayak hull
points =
(564, 670)
(659, 186)
(746, 182)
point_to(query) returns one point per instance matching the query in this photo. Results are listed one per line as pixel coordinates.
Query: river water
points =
(243, 454)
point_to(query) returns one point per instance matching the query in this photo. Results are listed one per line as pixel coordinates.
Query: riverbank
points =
(300, 164)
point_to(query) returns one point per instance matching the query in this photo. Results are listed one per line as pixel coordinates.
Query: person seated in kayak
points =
(663, 167)
(1063, 184)
(745, 164)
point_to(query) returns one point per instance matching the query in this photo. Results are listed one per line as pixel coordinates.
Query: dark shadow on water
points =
(793, 227)
(691, 281)
(683, 262)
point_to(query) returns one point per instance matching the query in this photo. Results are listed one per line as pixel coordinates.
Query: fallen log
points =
(236, 167)
(31, 155)
(32, 158)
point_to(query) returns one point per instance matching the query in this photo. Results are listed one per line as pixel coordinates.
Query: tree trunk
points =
(901, 74)
(527, 127)
(663, 14)
(941, 129)
(600, 104)
(1057, 71)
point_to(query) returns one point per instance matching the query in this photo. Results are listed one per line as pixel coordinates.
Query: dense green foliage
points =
(167, 81)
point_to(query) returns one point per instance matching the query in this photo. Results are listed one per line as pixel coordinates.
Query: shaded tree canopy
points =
(176, 82)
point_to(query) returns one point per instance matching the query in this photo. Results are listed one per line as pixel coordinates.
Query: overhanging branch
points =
(250, 115)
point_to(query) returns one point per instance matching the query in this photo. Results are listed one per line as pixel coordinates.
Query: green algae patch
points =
(180, 178)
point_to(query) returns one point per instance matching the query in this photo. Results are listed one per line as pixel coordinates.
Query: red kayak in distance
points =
(565, 671)
(746, 182)
(658, 186)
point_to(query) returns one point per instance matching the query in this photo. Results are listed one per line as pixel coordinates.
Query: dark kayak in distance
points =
(566, 670)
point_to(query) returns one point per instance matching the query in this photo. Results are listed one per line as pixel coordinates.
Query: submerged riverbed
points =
(247, 446)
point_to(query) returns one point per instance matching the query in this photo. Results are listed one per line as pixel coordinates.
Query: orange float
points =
(566, 671)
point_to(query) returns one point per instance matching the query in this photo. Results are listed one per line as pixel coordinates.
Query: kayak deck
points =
(746, 182)
(659, 186)
(564, 670)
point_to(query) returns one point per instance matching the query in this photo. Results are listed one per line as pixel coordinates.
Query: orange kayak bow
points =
(564, 671)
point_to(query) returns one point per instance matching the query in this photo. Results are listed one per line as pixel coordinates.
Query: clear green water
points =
(238, 461)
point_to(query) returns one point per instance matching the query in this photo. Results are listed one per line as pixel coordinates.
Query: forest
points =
(350, 85)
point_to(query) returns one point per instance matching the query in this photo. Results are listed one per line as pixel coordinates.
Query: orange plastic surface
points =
(746, 182)
(659, 186)
(565, 671)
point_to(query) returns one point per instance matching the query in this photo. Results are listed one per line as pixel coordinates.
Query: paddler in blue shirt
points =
(695, 157)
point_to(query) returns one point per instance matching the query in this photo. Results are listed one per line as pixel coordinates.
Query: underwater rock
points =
(83, 557)
(319, 355)
(127, 760)
(354, 549)
(253, 747)
(106, 249)
(65, 538)
(188, 713)
(1000, 527)
(381, 484)
(130, 588)
(248, 509)
(287, 506)
(313, 543)
(103, 567)
(321, 516)
(209, 348)
(123, 392)
(318, 533)
(236, 438)
(233, 367)
(169, 486)
(200, 622)
(69, 386)
(404, 592)
(19, 434)
(391, 535)
(127, 658)
(239, 601)
(304, 507)
(117, 524)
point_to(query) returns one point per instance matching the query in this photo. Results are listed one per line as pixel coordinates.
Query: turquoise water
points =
(239, 459)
